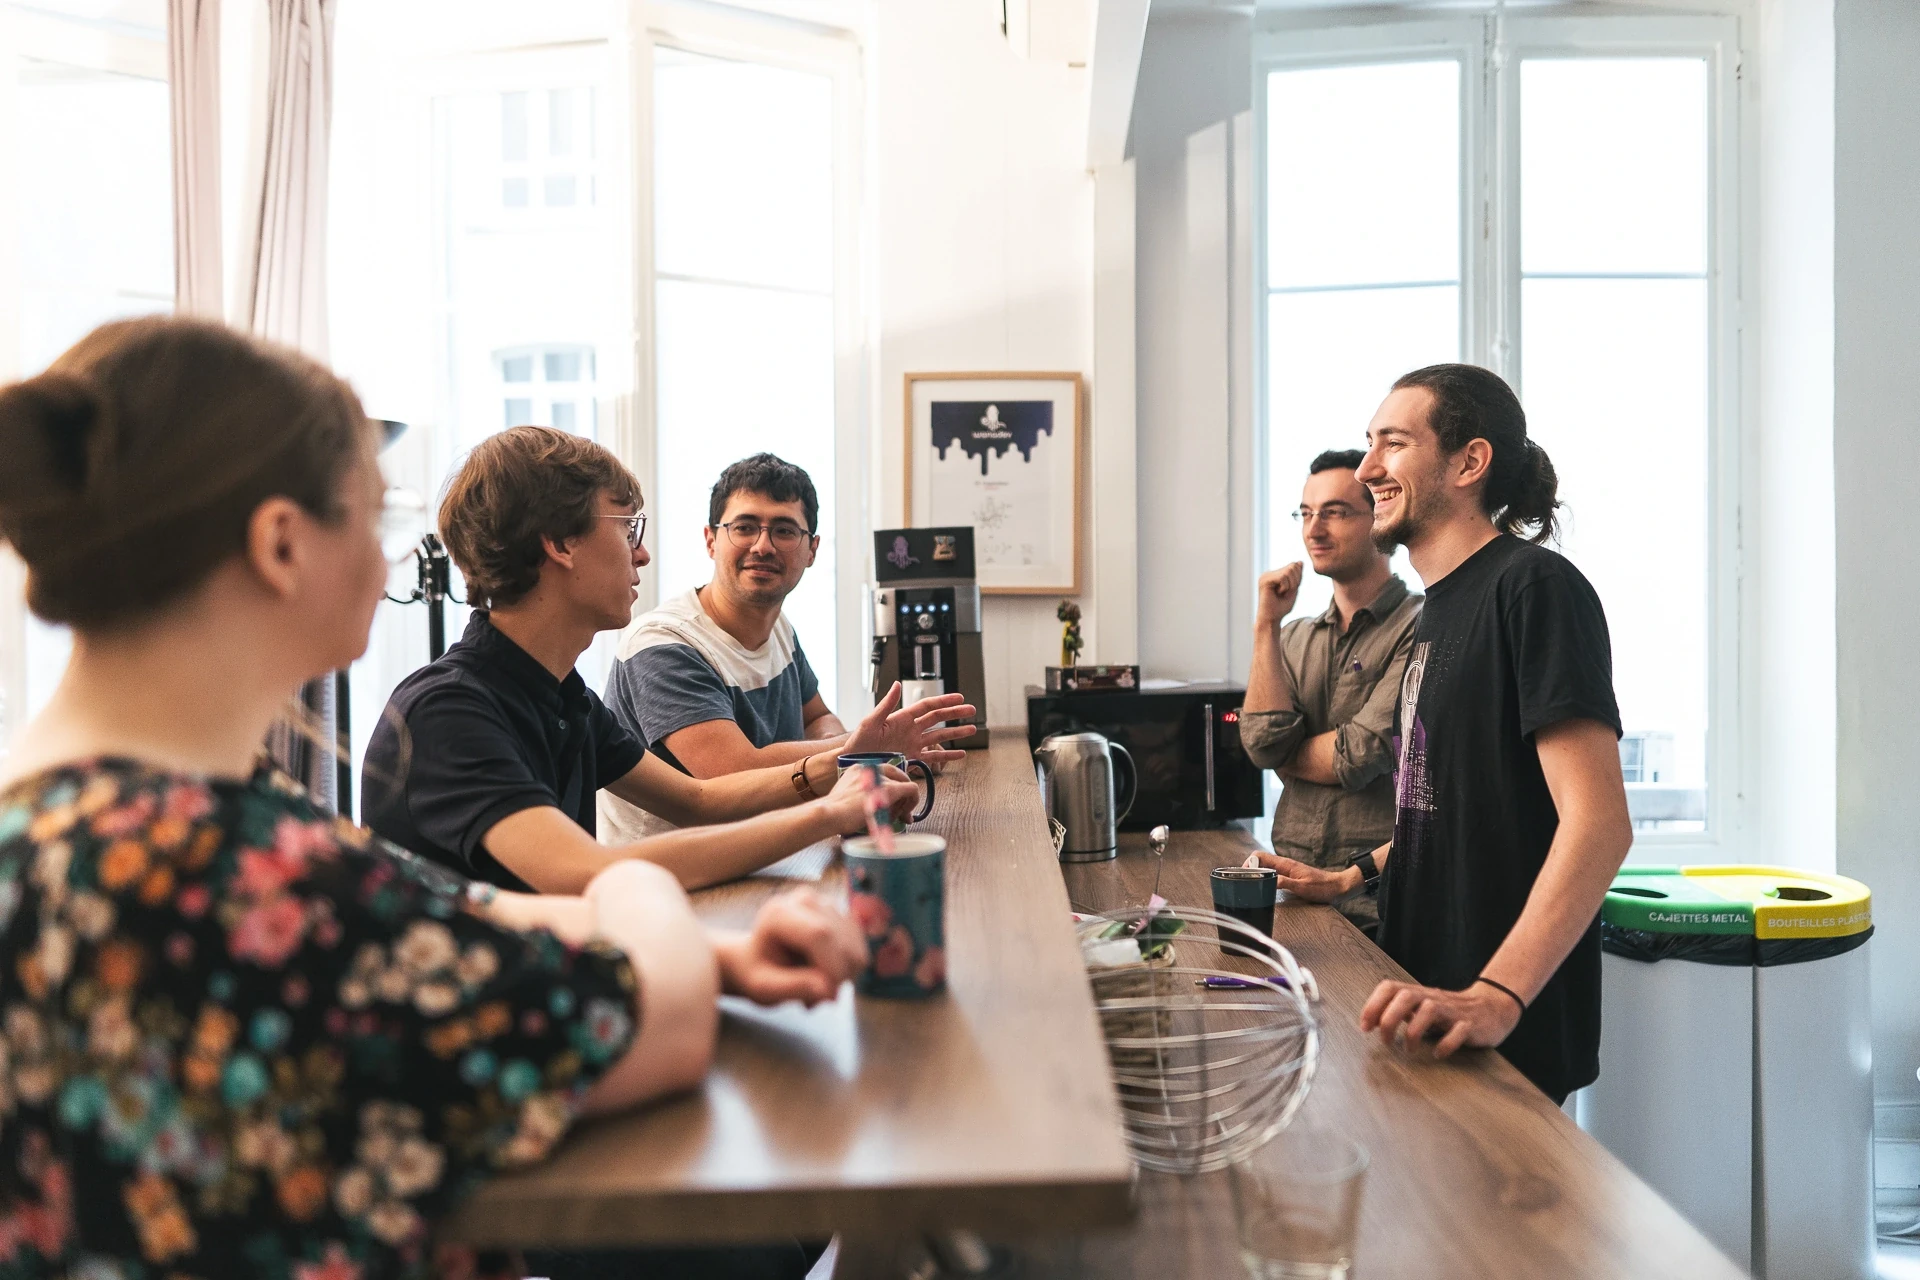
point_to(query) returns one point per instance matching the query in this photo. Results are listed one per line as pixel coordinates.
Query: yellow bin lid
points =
(1792, 904)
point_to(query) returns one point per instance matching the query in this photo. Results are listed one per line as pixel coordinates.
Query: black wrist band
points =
(1506, 990)
(1369, 870)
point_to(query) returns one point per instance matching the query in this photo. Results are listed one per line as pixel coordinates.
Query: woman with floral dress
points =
(239, 1037)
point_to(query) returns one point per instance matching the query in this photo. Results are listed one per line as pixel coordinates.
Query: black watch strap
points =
(1369, 870)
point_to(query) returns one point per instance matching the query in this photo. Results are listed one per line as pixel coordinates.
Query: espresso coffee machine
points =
(926, 616)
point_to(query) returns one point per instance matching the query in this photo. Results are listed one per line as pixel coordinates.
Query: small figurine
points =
(1070, 642)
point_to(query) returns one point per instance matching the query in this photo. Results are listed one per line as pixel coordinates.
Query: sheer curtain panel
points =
(193, 74)
(286, 294)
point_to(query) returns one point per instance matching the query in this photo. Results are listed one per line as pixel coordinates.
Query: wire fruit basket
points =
(1210, 1033)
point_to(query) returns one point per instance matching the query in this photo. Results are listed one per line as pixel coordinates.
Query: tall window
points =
(92, 208)
(744, 350)
(1556, 212)
(547, 148)
(534, 220)
(477, 258)
(550, 387)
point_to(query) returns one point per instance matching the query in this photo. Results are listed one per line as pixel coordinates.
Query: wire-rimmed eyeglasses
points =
(786, 534)
(1333, 513)
(636, 528)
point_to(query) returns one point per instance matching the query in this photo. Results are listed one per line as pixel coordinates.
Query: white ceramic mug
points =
(912, 691)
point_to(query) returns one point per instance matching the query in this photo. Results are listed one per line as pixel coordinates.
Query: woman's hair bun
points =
(50, 430)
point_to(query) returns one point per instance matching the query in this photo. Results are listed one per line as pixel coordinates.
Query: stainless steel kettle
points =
(1077, 790)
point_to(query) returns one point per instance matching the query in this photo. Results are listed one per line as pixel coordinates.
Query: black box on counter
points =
(1107, 679)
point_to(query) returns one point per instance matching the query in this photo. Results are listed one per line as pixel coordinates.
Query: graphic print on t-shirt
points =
(1413, 784)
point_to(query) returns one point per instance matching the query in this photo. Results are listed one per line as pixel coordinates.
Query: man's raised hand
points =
(917, 731)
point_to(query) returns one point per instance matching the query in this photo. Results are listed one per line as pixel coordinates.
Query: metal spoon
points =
(1157, 839)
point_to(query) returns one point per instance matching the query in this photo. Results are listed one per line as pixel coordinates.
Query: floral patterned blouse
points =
(239, 1037)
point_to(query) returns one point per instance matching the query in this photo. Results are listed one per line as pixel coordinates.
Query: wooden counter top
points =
(989, 1107)
(1474, 1173)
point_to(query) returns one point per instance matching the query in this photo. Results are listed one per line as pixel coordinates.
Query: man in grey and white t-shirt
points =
(715, 680)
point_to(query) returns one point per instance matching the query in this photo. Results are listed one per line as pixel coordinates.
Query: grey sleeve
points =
(670, 686)
(1271, 737)
(1363, 746)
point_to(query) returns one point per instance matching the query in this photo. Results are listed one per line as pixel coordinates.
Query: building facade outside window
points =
(549, 387)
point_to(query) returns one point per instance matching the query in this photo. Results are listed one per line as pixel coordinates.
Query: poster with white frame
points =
(1001, 452)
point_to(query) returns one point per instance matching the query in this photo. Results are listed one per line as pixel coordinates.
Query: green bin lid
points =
(1760, 902)
(1665, 900)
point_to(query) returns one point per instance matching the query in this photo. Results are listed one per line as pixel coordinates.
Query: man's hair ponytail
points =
(1471, 403)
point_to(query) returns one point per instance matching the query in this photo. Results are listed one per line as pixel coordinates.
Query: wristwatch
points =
(802, 784)
(1369, 870)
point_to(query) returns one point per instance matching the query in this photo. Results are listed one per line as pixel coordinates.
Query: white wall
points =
(984, 230)
(1876, 331)
(1790, 438)
(1194, 402)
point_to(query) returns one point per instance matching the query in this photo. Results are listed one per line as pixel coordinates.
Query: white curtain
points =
(286, 294)
(193, 75)
(285, 298)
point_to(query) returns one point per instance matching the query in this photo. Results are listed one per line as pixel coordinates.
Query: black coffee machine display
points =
(926, 617)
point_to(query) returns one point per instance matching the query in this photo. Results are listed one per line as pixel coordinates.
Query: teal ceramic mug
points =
(879, 759)
(899, 900)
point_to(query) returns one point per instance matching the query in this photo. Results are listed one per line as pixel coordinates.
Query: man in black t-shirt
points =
(1510, 814)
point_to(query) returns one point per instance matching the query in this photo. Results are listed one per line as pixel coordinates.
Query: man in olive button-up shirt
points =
(1320, 698)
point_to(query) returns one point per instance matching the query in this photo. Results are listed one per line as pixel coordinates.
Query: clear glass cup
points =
(1296, 1205)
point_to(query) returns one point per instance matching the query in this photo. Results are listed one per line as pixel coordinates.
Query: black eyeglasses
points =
(786, 534)
(636, 528)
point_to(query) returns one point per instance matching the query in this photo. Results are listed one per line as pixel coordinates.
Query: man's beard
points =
(1403, 530)
(757, 595)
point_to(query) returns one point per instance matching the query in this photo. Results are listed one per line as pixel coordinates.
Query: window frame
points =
(1491, 49)
(36, 35)
(539, 391)
(740, 35)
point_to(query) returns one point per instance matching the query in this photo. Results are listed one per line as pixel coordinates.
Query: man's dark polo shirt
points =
(479, 735)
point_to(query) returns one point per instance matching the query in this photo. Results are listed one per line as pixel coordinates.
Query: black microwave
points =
(1185, 743)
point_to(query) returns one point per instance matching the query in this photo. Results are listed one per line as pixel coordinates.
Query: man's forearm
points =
(1268, 686)
(820, 728)
(756, 791)
(1581, 864)
(1313, 761)
(695, 802)
(707, 763)
(1353, 881)
(701, 856)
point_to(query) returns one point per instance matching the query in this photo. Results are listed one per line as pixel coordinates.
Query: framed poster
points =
(1001, 452)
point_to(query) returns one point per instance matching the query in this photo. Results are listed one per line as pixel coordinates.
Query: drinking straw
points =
(874, 801)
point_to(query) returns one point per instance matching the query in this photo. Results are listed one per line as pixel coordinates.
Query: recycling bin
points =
(1736, 1064)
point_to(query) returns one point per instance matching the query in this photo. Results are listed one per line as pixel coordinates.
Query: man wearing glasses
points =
(716, 680)
(488, 759)
(1320, 698)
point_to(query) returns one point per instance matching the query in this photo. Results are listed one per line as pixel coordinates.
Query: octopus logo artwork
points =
(900, 557)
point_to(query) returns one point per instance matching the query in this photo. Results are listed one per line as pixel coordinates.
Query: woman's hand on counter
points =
(1308, 882)
(801, 948)
(1481, 1016)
